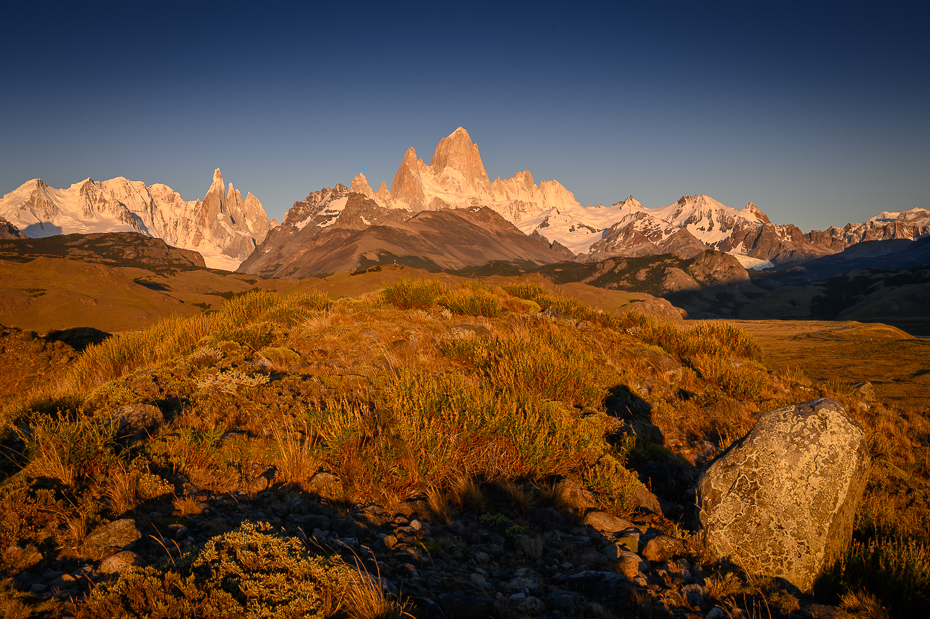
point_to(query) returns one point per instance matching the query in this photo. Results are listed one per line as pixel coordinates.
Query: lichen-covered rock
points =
(114, 535)
(781, 501)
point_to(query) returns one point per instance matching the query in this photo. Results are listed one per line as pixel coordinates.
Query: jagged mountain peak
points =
(222, 227)
(757, 212)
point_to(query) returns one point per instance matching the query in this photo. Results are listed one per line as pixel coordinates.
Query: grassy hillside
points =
(459, 403)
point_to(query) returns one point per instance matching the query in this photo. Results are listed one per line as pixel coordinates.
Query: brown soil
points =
(897, 364)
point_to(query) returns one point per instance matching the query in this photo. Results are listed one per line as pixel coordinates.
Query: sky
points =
(816, 112)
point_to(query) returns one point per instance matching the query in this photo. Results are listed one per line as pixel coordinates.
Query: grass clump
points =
(414, 294)
(895, 569)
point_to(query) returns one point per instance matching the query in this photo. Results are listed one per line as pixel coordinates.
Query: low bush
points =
(250, 572)
(414, 294)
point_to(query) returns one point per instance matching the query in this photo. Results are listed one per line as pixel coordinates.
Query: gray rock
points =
(630, 565)
(569, 603)
(607, 523)
(138, 420)
(121, 562)
(525, 578)
(23, 558)
(781, 501)
(531, 546)
(661, 362)
(662, 548)
(326, 485)
(466, 330)
(605, 587)
(117, 534)
(864, 390)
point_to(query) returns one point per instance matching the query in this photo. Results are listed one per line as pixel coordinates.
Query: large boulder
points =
(781, 501)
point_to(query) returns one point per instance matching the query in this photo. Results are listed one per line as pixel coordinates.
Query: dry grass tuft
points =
(518, 497)
(467, 494)
(864, 604)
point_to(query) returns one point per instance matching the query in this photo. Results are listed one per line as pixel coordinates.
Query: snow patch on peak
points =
(748, 262)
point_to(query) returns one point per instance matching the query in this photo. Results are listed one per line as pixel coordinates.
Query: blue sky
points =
(817, 112)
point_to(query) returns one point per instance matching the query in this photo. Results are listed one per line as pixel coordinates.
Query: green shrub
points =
(615, 485)
(249, 572)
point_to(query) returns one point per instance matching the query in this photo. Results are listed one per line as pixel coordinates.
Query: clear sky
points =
(817, 112)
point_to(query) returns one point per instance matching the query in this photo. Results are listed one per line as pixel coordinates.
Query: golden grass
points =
(511, 412)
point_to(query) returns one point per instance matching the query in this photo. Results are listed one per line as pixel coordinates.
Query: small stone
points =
(389, 541)
(631, 565)
(606, 523)
(24, 558)
(326, 485)
(531, 546)
(716, 613)
(119, 533)
(630, 542)
(525, 578)
(121, 562)
(534, 605)
(38, 589)
(568, 603)
(138, 420)
(662, 548)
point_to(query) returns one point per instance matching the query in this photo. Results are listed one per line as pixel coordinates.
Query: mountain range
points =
(350, 228)
(223, 227)
(443, 215)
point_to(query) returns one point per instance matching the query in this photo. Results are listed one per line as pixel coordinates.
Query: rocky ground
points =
(546, 563)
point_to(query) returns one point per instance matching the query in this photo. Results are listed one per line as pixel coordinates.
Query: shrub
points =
(415, 294)
(250, 572)
(615, 485)
(896, 570)
(472, 301)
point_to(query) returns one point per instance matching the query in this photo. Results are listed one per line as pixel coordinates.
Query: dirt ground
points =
(896, 363)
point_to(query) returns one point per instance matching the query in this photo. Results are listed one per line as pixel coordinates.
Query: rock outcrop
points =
(456, 178)
(781, 501)
(9, 231)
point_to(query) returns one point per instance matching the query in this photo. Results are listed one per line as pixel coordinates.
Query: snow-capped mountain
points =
(456, 178)
(888, 225)
(695, 224)
(222, 227)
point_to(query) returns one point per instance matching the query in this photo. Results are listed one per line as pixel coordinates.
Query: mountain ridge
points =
(223, 227)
